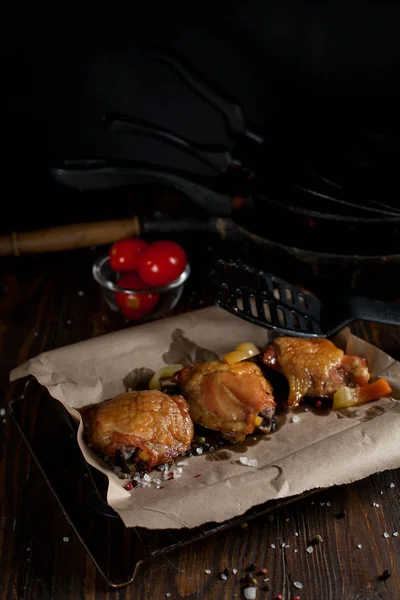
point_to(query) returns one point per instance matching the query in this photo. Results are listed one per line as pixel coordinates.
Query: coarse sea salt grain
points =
(235, 571)
(253, 462)
(283, 545)
(65, 539)
(309, 549)
(208, 571)
(392, 485)
(250, 593)
(273, 546)
(2, 411)
(298, 585)
(199, 450)
(359, 546)
(223, 576)
(146, 477)
(395, 533)
(244, 460)
(295, 419)
(385, 534)
(296, 534)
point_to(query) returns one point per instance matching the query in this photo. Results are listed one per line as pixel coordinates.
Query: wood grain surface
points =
(50, 301)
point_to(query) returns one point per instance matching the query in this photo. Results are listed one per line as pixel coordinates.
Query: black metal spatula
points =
(269, 301)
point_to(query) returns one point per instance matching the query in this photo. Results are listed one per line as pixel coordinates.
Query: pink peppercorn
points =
(318, 404)
(128, 486)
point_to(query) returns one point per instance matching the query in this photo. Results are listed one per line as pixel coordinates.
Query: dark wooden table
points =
(42, 307)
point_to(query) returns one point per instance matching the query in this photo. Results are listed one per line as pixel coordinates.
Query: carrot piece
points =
(373, 391)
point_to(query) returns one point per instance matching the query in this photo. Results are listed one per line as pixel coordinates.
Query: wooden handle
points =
(68, 237)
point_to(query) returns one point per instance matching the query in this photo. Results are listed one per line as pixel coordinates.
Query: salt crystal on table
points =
(359, 546)
(208, 571)
(2, 411)
(385, 534)
(65, 539)
(283, 545)
(310, 549)
(253, 462)
(391, 485)
(273, 546)
(250, 593)
(295, 419)
(298, 585)
(146, 477)
(244, 460)
(199, 450)
(395, 533)
(296, 534)
(234, 571)
(168, 594)
(223, 576)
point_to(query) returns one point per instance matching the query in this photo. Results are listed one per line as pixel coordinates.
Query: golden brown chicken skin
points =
(314, 367)
(233, 399)
(150, 425)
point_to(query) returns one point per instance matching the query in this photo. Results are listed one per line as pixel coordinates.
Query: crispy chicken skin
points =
(228, 398)
(314, 367)
(150, 425)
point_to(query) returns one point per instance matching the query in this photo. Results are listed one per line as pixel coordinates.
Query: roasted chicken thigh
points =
(234, 399)
(144, 426)
(314, 367)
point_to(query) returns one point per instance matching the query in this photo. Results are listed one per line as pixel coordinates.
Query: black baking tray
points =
(81, 489)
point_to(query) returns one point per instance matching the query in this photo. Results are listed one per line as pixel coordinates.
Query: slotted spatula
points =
(269, 301)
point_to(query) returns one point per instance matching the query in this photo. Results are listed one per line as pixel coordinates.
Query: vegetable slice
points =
(346, 396)
(163, 373)
(243, 351)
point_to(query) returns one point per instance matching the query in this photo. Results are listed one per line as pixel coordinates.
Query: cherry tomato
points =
(135, 306)
(161, 263)
(124, 254)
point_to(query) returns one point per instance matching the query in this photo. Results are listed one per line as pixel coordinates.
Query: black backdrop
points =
(294, 67)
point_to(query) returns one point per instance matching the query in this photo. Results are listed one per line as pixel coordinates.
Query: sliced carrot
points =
(374, 390)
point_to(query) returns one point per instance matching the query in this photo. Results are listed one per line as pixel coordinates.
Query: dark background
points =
(297, 68)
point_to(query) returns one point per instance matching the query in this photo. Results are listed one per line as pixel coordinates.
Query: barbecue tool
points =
(269, 301)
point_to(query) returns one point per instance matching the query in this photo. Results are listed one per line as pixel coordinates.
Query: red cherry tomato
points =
(124, 254)
(161, 263)
(135, 306)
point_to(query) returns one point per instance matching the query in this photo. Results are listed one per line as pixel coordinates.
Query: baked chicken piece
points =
(146, 427)
(314, 367)
(234, 399)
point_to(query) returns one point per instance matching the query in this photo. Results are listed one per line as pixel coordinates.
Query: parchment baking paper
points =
(318, 451)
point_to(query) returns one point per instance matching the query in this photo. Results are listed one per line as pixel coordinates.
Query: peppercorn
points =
(128, 486)
(385, 575)
(318, 404)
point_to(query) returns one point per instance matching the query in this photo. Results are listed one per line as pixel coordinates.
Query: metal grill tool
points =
(269, 301)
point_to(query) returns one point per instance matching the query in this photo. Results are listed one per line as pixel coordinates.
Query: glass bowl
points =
(170, 294)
